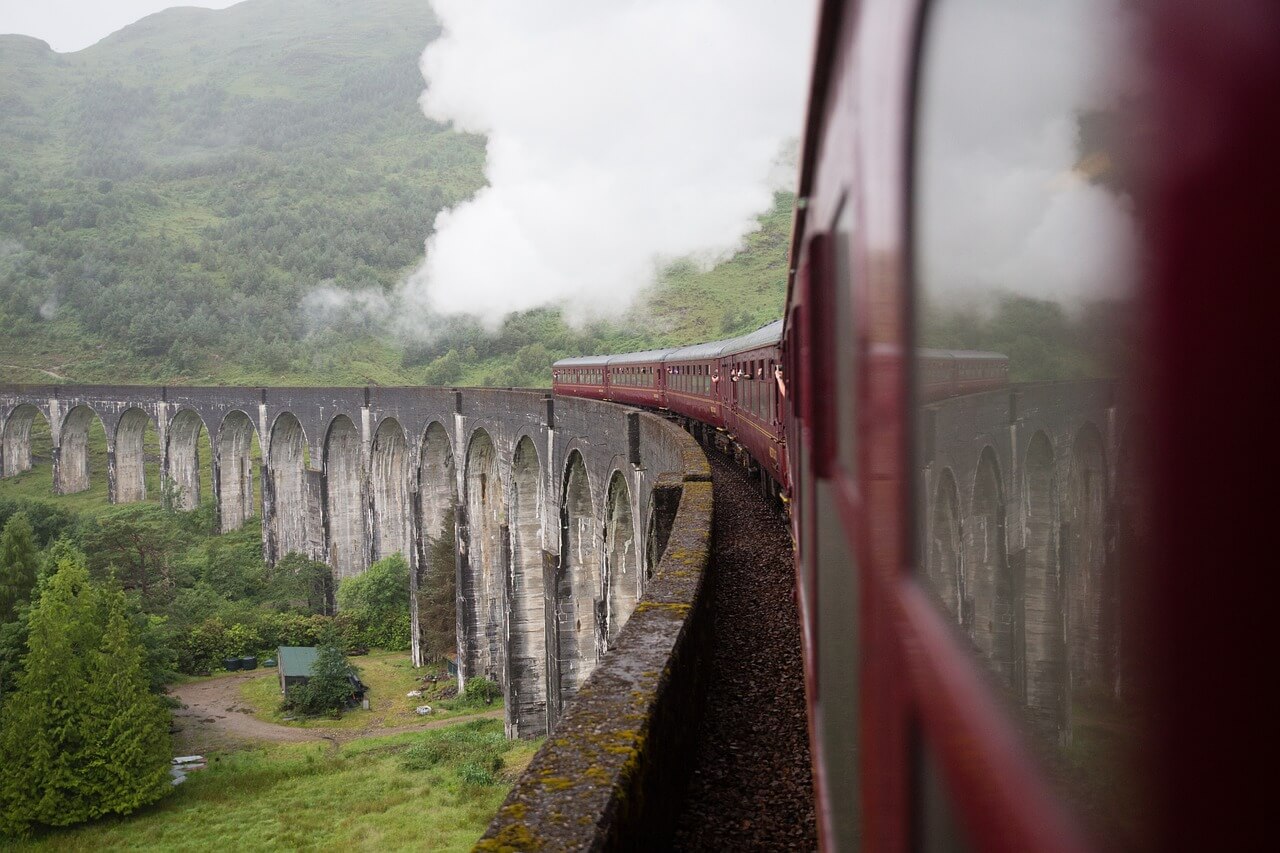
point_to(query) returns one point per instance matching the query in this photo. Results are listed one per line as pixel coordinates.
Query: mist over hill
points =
(171, 196)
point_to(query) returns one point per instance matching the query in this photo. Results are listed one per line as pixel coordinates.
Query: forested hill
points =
(168, 195)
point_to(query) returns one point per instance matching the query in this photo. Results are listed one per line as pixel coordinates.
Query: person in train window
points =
(777, 376)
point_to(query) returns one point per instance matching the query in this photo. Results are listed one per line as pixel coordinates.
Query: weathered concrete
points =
(611, 774)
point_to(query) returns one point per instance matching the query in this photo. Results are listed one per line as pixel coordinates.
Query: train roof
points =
(770, 333)
(583, 361)
(643, 357)
(960, 354)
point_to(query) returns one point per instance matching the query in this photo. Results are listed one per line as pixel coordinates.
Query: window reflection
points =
(1023, 260)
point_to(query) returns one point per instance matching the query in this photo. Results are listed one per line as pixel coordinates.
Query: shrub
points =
(328, 690)
(481, 691)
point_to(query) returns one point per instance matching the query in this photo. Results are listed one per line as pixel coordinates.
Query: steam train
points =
(737, 386)
(916, 723)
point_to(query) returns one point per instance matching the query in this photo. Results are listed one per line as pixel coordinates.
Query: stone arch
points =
(389, 474)
(1047, 698)
(344, 502)
(1085, 557)
(436, 569)
(945, 551)
(621, 563)
(17, 446)
(233, 464)
(71, 464)
(990, 613)
(286, 486)
(527, 699)
(131, 434)
(182, 465)
(578, 588)
(483, 585)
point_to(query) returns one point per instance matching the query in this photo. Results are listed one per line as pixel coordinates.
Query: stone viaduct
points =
(551, 502)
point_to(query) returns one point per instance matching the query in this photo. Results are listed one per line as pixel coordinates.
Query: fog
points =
(620, 136)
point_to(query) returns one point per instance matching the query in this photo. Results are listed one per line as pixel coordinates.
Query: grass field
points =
(432, 790)
(389, 676)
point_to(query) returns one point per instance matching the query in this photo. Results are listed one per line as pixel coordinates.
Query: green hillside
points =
(168, 195)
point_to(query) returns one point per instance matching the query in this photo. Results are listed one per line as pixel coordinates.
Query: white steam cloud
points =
(622, 135)
(1002, 203)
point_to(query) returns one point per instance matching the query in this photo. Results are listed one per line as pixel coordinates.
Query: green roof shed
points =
(294, 663)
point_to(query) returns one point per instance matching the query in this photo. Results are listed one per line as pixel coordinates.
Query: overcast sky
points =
(70, 25)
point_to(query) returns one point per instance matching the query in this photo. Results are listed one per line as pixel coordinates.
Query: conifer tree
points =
(81, 737)
(128, 749)
(19, 560)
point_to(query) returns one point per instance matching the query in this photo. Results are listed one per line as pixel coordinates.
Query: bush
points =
(473, 743)
(329, 689)
(481, 691)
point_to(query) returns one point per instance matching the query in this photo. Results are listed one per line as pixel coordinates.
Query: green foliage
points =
(138, 542)
(300, 583)
(48, 522)
(1044, 341)
(475, 749)
(329, 689)
(13, 648)
(384, 586)
(82, 736)
(19, 561)
(374, 606)
(481, 691)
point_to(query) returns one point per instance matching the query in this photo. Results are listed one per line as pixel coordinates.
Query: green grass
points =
(370, 794)
(389, 676)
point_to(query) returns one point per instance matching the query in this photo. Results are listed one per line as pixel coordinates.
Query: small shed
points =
(451, 664)
(294, 665)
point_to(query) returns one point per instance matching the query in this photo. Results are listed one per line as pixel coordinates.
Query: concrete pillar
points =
(342, 498)
(526, 597)
(71, 452)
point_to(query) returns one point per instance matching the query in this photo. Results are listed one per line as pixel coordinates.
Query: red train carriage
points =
(586, 376)
(750, 363)
(997, 591)
(695, 386)
(637, 378)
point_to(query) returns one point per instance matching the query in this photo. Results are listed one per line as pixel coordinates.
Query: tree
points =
(128, 745)
(138, 539)
(437, 596)
(376, 605)
(19, 560)
(297, 582)
(382, 588)
(82, 736)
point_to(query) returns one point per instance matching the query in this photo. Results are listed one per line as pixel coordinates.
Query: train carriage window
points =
(1023, 224)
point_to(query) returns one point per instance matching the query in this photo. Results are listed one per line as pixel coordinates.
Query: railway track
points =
(751, 787)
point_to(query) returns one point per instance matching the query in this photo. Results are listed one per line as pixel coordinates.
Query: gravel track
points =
(752, 786)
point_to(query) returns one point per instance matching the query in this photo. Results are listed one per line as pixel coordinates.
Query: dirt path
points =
(214, 716)
(35, 370)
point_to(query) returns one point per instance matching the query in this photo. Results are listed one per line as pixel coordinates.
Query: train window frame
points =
(846, 383)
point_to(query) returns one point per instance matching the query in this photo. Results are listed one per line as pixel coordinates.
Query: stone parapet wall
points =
(611, 773)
